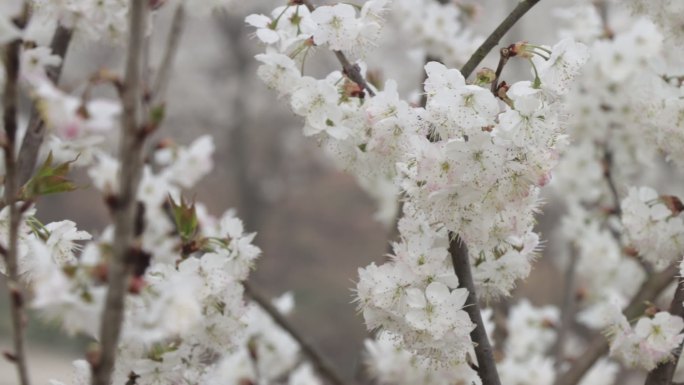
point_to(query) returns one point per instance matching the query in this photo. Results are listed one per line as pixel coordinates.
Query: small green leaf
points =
(157, 114)
(185, 216)
(49, 179)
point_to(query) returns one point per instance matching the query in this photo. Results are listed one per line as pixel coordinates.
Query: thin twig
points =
(567, 307)
(608, 176)
(599, 345)
(493, 39)
(662, 375)
(323, 367)
(10, 102)
(504, 55)
(130, 156)
(486, 367)
(33, 139)
(352, 71)
(161, 82)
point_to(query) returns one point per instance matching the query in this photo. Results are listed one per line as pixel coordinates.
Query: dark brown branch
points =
(599, 345)
(504, 55)
(662, 375)
(608, 176)
(486, 368)
(323, 367)
(352, 71)
(493, 39)
(130, 156)
(33, 139)
(9, 103)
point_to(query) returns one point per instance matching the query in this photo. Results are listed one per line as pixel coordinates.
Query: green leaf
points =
(157, 114)
(49, 179)
(185, 216)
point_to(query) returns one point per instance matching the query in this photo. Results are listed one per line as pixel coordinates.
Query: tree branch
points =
(352, 71)
(33, 139)
(323, 367)
(10, 102)
(608, 176)
(493, 39)
(161, 82)
(486, 368)
(130, 156)
(599, 345)
(662, 375)
(567, 308)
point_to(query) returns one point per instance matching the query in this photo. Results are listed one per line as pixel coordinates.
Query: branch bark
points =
(662, 375)
(493, 40)
(161, 82)
(323, 367)
(486, 367)
(10, 102)
(352, 71)
(599, 345)
(33, 139)
(567, 307)
(130, 156)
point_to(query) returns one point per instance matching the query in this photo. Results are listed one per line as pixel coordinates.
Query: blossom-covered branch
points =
(351, 70)
(35, 132)
(10, 250)
(662, 375)
(486, 366)
(493, 40)
(163, 77)
(124, 205)
(599, 346)
(320, 363)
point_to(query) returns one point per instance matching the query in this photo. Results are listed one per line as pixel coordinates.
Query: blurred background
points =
(316, 227)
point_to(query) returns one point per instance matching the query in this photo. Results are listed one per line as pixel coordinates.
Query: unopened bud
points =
(100, 272)
(630, 251)
(93, 355)
(165, 143)
(352, 90)
(581, 294)
(485, 76)
(155, 4)
(673, 203)
(549, 324)
(651, 310)
(9, 356)
(502, 92)
(15, 295)
(519, 49)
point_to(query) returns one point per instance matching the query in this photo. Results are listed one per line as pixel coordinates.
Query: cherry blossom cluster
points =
(617, 133)
(606, 128)
(469, 163)
(608, 275)
(531, 334)
(265, 353)
(667, 14)
(391, 365)
(481, 178)
(186, 295)
(415, 297)
(654, 226)
(650, 342)
(184, 301)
